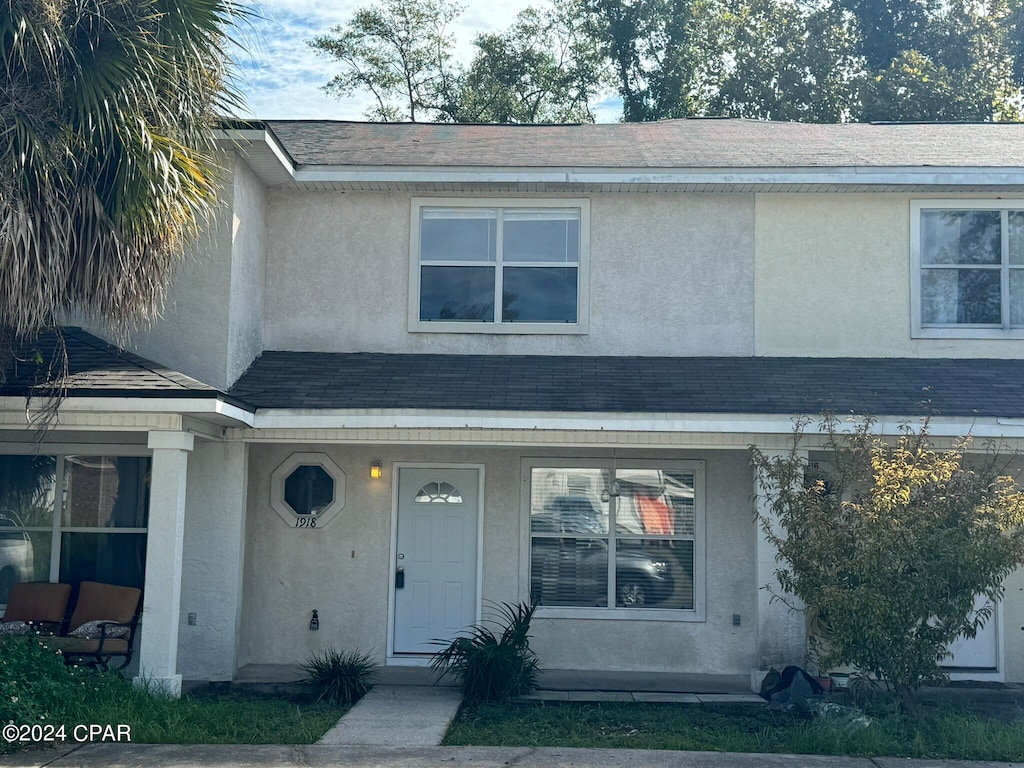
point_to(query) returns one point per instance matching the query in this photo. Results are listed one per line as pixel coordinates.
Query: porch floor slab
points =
(397, 716)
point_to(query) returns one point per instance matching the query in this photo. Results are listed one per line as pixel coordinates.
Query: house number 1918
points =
(305, 522)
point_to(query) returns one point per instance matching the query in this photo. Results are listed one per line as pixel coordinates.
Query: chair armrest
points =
(103, 632)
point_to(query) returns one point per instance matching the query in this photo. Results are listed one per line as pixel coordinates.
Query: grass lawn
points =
(935, 733)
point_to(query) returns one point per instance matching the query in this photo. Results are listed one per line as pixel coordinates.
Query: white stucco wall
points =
(833, 279)
(343, 571)
(670, 274)
(248, 271)
(211, 583)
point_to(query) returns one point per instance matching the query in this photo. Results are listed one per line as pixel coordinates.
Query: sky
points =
(281, 75)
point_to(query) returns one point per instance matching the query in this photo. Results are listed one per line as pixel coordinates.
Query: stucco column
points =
(781, 630)
(158, 659)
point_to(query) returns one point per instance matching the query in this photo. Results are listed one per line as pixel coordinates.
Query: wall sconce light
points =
(314, 623)
(376, 470)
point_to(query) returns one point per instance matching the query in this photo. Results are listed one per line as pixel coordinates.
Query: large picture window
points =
(617, 541)
(968, 269)
(72, 518)
(499, 266)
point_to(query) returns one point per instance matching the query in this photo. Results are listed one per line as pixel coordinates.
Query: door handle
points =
(400, 578)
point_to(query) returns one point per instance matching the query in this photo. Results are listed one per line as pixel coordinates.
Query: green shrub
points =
(890, 554)
(489, 666)
(340, 678)
(34, 682)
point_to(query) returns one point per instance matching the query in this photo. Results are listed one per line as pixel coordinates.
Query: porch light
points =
(376, 470)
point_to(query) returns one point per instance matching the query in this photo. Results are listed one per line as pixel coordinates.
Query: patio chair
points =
(102, 626)
(40, 604)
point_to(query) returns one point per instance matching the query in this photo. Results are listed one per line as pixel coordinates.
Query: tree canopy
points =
(810, 60)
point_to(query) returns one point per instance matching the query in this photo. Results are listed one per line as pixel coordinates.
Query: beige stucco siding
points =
(832, 279)
(343, 571)
(670, 274)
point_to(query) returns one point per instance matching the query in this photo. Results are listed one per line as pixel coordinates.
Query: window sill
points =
(951, 332)
(619, 614)
(563, 329)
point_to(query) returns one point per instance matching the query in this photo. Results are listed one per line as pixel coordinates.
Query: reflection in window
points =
(603, 537)
(970, 261)
(90, 512)
(438, 492)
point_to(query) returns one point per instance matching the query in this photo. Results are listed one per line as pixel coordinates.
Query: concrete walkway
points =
(397, 716)
(248, 756)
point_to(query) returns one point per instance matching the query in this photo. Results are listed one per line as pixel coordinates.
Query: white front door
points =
(434, 575)
(980, 652)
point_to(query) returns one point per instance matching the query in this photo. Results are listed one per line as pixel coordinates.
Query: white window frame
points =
(954, 330)
(60, 452)
(284, 510)
(699, 611)
(582, 324)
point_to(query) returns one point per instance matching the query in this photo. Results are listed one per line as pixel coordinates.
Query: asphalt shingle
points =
(691, 143)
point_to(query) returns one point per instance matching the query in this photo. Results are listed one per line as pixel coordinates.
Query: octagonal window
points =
(308, 489)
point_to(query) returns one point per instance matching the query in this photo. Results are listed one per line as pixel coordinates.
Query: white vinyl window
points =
(608, 541)
(499, 266)
(968, 269)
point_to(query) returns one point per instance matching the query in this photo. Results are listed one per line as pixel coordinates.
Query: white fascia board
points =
(908, 176)
(198, 406)
(633, 422)
(261, 146)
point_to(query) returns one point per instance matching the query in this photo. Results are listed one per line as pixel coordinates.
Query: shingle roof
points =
(95, 368)
(779, 385)
(689, 143)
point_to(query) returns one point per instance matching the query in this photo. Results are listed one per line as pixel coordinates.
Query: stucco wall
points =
(248, 271)
(343, 571)
(215, 504)
(670, 274)
(833, 277)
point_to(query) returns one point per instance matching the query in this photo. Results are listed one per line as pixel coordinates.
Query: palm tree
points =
(107, 165)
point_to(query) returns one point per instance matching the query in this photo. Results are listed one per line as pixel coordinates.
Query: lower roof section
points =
(575, 384)
(363, 386)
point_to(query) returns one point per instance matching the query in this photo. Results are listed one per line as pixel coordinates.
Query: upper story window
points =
(499, 266)
(968, 276)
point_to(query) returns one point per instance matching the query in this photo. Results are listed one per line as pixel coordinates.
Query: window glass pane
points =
(539, 295)
(457, 293)
(454, 234)
(545, 235)
(654, 573)
(112, 558)
(308, 489)
(569, 501)
(569, 571)
(963, 296)
(960, 237)
(654, 502)
(1016, 237)
(1017, 297)
(26, 489)
(105, 491)
(24, 556)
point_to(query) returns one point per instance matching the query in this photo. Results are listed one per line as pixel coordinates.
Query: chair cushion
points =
(37, 601)
(77, 645)
(104, 602)
(11, 628)
(93, 630)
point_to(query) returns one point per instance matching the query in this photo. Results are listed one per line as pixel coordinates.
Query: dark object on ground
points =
(790, 690)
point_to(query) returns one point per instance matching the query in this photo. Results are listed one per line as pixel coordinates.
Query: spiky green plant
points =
(493, 666)
(340, 678)
(107, 161)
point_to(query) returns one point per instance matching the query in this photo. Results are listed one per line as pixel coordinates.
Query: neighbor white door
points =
(980, 652)
(436, 553)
